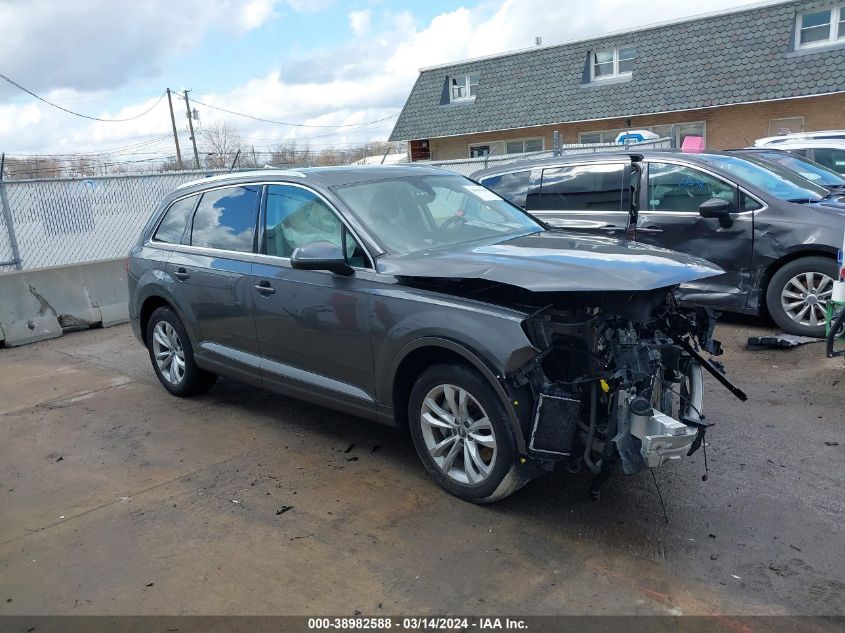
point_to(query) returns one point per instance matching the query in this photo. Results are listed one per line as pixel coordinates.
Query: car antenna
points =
(660, 496)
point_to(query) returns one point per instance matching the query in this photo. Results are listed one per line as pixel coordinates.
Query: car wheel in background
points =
(173, 357)
(462, 434)
(798, 293)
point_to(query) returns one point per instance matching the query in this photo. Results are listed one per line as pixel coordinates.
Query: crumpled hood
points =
(553, 261)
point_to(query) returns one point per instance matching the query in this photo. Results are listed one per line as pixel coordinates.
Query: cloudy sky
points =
(312, 62)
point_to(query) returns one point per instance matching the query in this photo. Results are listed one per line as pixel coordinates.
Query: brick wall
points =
(727, 127)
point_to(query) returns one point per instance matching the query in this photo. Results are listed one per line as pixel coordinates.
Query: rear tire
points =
(172, 356)
(463, 435)
(804, 315)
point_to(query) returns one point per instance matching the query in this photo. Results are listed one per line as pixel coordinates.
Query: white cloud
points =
(361, 79)
(359, 21)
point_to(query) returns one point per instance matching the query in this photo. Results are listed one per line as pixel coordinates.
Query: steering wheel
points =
(458, 217)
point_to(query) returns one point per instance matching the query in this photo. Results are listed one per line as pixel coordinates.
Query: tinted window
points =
(296, 217)
(225, 219)
(175, 220)
(832, 158)
(747, 203)
(513, 187)
(582, 187)
(679, 188)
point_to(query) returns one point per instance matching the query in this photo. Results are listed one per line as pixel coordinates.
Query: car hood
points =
(552, 261)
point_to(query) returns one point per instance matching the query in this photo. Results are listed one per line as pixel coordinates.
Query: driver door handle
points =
(265, 288)
(649, 229)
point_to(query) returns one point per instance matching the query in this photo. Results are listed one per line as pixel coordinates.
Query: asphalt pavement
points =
(117, 498)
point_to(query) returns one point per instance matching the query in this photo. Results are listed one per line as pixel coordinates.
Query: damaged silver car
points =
(419, 299)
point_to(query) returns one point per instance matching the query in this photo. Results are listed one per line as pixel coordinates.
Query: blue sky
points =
(315, 62)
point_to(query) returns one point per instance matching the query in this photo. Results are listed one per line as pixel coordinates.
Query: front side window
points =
(817, 28)
(463, 87)
(599, 187)
(512, 186)
(613, 62)
(225, 219)
(680, 188)
(175, 220)
(421, 212)
(297, 217)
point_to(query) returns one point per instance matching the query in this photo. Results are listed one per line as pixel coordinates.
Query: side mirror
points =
(320, 256)
(717, 208)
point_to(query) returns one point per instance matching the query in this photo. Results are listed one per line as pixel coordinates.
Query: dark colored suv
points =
(775, 233)
(420, 299)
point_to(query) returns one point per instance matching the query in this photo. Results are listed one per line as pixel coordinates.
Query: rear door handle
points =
(181, 273)
(611, 228)
(265, 288)
(649, 229)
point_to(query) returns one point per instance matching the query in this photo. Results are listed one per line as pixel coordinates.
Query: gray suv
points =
(416, 298)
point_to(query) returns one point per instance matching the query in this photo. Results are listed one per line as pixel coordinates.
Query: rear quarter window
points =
(512, 186)
(175, 220)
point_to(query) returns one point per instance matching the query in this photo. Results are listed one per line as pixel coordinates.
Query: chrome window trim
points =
(202, 250)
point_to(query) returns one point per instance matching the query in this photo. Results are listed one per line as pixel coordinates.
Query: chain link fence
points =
(73, 220)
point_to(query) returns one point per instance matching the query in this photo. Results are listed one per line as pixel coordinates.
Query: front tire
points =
(462, 434)
(798, 293)
(172, 356)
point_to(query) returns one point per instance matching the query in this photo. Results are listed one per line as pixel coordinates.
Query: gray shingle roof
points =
(737, 57)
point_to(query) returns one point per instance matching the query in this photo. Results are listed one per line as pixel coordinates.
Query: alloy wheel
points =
(168, 352)
(804, 298)
(458, 434)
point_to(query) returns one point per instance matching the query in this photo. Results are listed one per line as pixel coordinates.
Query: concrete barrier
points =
(43, 303)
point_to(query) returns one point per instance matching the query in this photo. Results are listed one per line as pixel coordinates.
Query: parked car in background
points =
(822, 135)
(419, 299)
(827, 152)
(774, 233)
(811, 170)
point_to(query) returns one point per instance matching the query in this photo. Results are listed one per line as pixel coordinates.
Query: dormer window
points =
(463, 87)
(821, 27)
(612, 62)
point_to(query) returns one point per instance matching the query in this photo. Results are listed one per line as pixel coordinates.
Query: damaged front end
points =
(618, 381)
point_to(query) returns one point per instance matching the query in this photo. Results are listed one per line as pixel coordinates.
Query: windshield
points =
(419, 212)
(773, 179)
(810, 170)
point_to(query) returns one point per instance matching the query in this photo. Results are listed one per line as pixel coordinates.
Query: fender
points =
(495, 380)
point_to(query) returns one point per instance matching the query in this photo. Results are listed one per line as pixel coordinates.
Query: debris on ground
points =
(780, 340)
(283, 509)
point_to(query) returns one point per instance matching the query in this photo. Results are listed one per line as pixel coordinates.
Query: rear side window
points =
(175, 219)
(599, 187)
(225, 219)
(512, 187)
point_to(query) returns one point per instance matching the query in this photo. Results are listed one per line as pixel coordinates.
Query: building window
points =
(613, 62)
(679, 130)
(817, 28)
(479, 151)
(779, 127)
(463, 87)
(524, 145)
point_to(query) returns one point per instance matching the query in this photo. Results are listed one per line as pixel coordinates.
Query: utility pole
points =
(191, 126)
(175, 134)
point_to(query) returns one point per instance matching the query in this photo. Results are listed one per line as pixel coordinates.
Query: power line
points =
(256, 118)
(84, 116)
